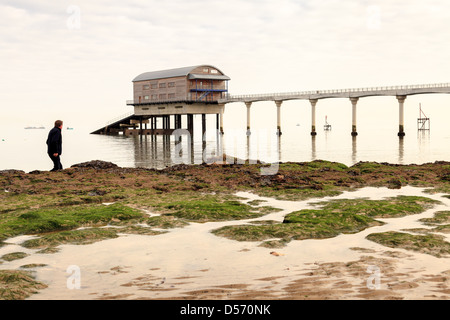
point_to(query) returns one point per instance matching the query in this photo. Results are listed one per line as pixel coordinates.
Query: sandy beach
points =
(191, 263)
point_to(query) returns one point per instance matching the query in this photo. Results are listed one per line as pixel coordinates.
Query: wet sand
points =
(191, 263)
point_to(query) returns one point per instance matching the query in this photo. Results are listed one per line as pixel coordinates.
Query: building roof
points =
(180, 72)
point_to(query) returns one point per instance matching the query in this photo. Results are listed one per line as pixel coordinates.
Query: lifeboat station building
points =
(171, 94)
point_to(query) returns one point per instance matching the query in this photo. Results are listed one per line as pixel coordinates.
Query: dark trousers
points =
(56, 163)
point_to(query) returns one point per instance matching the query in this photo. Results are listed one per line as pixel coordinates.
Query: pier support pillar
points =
(248, 105)
(401, 102)
(218, 122)
(279, 103)
(222, 111)
(203, 124)
(190, 123)
(354, 103)
(177, 121)
(313, 116)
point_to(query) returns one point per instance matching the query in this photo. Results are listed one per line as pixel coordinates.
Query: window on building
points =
(162, 96)
(146, 97)
(206, 70)
(154, 97)
(154, 86)
(162, 85)
(171, 95)
(214, 71)
(146, 87)
(171, 84)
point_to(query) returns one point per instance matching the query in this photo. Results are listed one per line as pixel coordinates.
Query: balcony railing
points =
(207, 87)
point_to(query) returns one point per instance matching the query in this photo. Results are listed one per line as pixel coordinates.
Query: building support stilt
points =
(313, 116)
(153, 124)
(222, 111)
(248, 105)
(190, 121)
(354, 129)
(203, 124)
(401, 102)
(218, 122)
(177, 122)
(279, 103)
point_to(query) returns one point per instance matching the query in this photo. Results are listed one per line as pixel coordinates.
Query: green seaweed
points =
(431, 244)
(58, 219)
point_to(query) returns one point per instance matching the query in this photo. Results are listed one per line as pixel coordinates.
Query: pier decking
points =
(400, 92)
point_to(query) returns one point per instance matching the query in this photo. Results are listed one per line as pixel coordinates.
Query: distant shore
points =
(54, 205)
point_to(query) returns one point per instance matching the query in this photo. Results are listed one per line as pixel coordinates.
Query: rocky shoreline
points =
(89, 202)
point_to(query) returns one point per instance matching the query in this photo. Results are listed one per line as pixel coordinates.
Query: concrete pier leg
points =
(203, 124)
(177, 121)
(190, 121)
(218, 122)
(221, 121)
(401, 102)
(249, 105)
(354, 103)
(313, 117)
(279, 103)
(167, 119)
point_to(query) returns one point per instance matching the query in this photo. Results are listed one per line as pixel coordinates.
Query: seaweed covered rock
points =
(96, 164)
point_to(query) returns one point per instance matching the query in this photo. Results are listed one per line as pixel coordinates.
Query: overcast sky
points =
(76, 59)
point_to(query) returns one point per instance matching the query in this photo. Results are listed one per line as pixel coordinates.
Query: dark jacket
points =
(54, 141)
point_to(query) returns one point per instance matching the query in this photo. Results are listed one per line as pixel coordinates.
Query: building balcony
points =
(202, 88)
(189, 100)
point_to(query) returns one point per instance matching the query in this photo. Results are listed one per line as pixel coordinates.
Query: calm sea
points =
(377, 140)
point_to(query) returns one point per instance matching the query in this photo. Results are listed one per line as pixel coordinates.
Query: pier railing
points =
(117, 119)
(364, 91)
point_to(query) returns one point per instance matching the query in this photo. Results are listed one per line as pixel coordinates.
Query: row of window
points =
(160, 96)
(161, 85)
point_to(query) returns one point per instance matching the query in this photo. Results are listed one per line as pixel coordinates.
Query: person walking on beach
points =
(54, 145)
